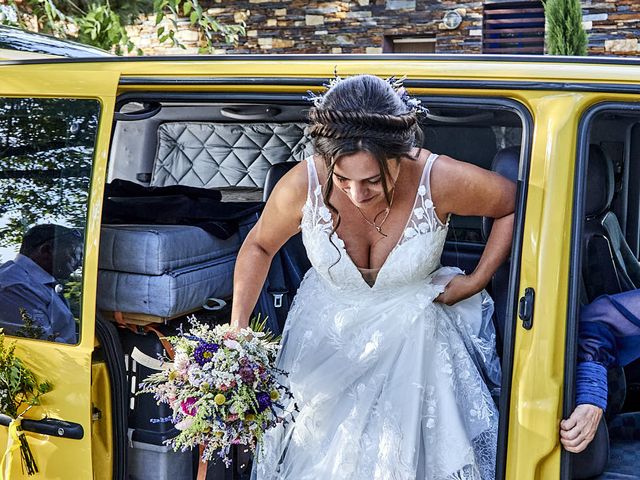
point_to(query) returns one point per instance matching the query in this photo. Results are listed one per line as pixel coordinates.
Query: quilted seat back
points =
(223, 155)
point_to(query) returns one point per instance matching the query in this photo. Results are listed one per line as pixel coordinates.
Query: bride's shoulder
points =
(292, 187)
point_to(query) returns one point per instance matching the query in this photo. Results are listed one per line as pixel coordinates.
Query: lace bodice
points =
(414, 258)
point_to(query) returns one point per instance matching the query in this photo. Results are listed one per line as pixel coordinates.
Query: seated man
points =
(609, 335)
(31, 300)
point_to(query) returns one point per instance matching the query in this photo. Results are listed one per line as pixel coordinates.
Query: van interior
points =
(608, 264)
(187, 178)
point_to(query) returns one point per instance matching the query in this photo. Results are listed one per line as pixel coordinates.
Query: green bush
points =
(565, 33)
(102, 24)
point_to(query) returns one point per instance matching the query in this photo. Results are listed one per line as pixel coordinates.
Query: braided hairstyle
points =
(362, 113)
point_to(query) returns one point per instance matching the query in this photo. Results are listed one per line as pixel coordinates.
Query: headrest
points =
(506, 162)
(274, 174)
(600, 182)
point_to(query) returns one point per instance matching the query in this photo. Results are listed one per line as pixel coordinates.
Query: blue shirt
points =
(24, 284)
(609, 335)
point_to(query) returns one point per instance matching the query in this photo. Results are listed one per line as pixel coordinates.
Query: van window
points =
(46, 151)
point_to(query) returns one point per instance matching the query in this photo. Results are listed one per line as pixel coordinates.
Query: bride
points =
(391, 359)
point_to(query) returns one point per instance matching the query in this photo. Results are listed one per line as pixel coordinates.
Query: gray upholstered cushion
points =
(219, 155)
(157, 249)
(168, 295)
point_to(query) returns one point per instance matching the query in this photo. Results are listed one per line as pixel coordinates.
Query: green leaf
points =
(194, 18)
(187, 8)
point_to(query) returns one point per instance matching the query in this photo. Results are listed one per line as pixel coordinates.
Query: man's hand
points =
(577, 431)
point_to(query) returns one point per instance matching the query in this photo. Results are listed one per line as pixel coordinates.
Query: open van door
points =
(55, 126)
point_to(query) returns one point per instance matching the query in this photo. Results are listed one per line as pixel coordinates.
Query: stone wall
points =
(357, 26)
(613, 26)
(360, 26)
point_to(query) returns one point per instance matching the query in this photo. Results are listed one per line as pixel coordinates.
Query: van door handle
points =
(253, 113)
(525, 308)
(48, 426)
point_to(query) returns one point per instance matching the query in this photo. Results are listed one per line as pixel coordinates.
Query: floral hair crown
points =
(413, 104)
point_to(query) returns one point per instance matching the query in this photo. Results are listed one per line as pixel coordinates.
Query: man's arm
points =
(609, 335)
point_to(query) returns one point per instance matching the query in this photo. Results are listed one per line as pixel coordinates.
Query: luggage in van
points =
(149, 424)
(158, 272)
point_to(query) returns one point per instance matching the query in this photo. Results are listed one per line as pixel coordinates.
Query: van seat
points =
(609, 265)
(294, 255)
(506, 162)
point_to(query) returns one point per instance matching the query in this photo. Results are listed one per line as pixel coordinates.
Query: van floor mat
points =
(107, 335)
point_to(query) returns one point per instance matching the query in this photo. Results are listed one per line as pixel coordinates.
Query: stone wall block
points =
(621, 45)
(400, 4)
(314, 20)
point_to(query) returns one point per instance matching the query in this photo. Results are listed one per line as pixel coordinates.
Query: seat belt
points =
(273, 302)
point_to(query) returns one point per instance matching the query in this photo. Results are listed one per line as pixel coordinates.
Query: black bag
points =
(127, 202)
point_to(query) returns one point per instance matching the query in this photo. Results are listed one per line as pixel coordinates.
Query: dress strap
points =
(426, 177)
(312, 178)
(314, 211)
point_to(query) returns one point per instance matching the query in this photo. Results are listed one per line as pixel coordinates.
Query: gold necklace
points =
(386, 211)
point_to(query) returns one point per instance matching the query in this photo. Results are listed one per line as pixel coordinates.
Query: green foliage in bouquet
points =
(19, 387)
(19, 391)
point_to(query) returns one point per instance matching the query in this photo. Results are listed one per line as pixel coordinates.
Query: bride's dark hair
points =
(362, 113)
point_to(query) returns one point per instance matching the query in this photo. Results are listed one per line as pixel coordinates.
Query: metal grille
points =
(513, 27)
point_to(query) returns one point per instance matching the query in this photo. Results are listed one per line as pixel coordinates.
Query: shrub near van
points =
(163, 166)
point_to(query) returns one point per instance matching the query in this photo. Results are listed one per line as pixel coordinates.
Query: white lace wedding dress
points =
(389, 384)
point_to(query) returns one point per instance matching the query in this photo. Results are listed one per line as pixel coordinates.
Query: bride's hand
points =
(459, 288)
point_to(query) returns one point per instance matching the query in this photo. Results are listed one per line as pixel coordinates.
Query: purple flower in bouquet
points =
(264, 401)
(188, 406)
(246, 374)
(204, 352)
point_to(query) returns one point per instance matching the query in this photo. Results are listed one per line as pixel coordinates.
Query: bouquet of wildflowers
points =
(223, 388)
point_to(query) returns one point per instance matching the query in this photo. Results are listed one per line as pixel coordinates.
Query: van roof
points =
(495, 71)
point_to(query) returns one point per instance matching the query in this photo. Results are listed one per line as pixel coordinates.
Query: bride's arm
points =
(465, 189)
(279, 221)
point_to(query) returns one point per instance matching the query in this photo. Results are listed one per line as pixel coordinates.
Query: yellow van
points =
(159, 165)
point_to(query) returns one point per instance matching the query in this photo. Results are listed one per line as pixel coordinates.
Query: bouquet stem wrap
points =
(17, 441)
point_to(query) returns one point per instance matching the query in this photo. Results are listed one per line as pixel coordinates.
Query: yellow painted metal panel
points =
(68, 367)
(102, 425)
